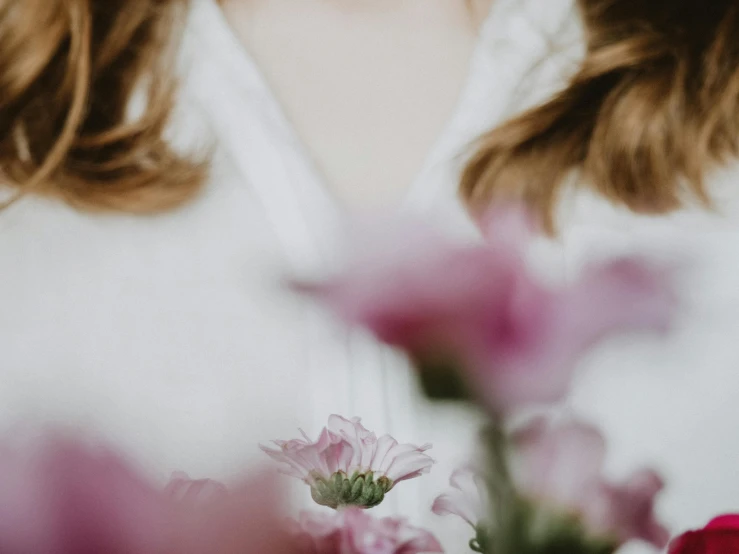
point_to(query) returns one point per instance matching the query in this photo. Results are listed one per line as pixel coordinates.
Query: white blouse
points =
(174, 337)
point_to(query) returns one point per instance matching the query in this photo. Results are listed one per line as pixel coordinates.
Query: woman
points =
(139, 293)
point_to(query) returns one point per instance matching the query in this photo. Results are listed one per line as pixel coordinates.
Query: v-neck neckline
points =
(438, 151)
(254, 133)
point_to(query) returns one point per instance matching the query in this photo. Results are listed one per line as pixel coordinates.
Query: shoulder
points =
(544, 40)
(548, 16)
(701, 243)
(48, 250)
(580, 206)
(533, 22)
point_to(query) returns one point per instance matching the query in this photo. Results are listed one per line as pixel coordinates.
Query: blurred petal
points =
(559, 467)
(466, 498)
(354, 531)
(478, 306)
(557, 464)
(247, 519)
(627, 511)
(182, 488)
(63, 496)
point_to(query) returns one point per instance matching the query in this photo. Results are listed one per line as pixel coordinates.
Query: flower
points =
(349, 465)
(353, 531)
(184, 489)
(63, 496)
(720, 536)
(468, 499)
(558, 468)
(478, 309)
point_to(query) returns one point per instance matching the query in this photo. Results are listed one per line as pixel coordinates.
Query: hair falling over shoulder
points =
(652, 108)
(654, 105)
(68, 70)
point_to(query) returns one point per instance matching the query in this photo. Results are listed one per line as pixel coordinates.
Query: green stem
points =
(506, 506)
(475, 546)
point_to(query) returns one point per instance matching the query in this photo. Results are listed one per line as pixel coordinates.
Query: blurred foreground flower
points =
(64, 497)
(348, 465)
(475, 312)
(720, 536)
(354, 531)
(558, 469)
(182, 488)
(467, 498)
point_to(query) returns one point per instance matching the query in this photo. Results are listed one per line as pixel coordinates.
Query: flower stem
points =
(507, 509)
(475, 546)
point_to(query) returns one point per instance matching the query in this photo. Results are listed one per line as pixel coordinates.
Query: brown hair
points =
(655, 103)
(68, 70)
(653, 106)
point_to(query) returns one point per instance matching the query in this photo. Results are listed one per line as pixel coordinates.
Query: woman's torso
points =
(367, 86)
(173, 336)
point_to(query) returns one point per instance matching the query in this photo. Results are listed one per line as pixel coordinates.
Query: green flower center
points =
(358, 490)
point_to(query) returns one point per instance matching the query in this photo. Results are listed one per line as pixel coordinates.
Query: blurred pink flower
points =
(183, 489)
(61, 496)
(353, 531)
(626, 510)
(349, 465)
(560, 468)
(478, 306)
(466, 498)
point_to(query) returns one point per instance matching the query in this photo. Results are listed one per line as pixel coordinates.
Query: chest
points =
(369, 88)
(171, 336)
(175, 337)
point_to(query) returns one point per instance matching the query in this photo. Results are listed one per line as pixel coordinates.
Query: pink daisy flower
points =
(348, 465)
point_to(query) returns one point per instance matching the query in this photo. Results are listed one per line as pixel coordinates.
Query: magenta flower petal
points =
(726, 521)
(353, 531)
(720, 536)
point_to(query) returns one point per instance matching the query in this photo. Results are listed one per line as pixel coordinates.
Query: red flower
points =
(720, 536)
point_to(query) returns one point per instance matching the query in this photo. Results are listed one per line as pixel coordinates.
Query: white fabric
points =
(672, 403)
(173, 336)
